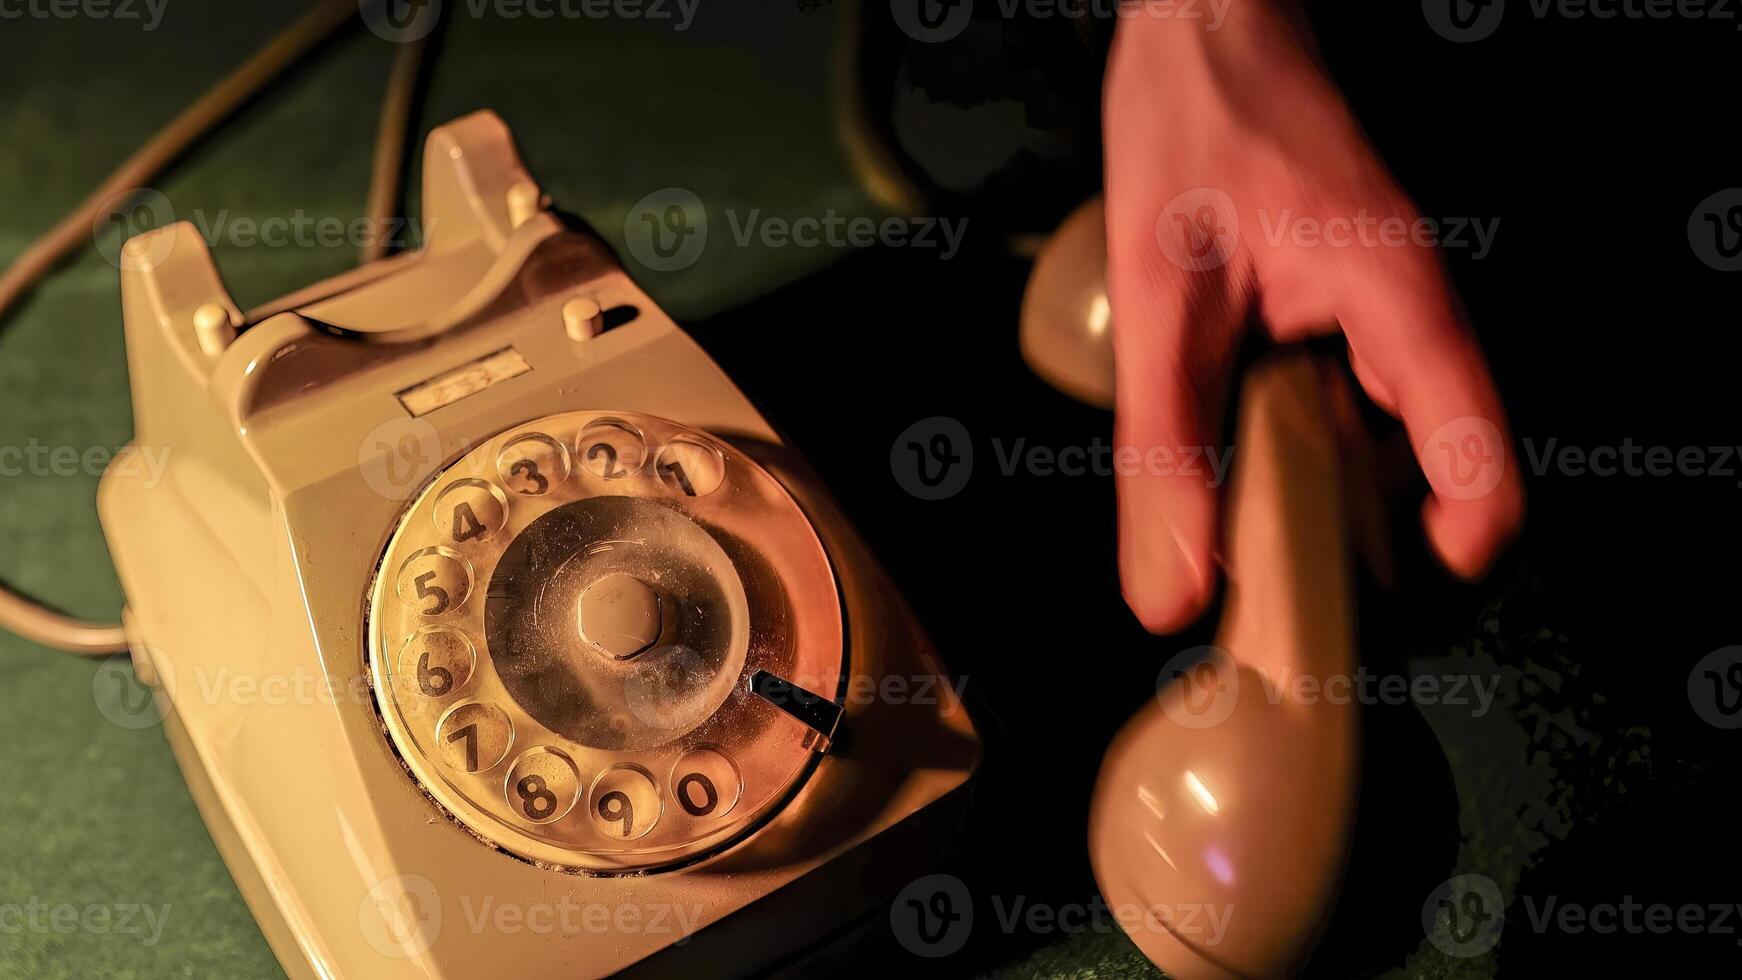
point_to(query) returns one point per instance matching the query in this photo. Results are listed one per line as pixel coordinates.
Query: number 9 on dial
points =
(625, 803)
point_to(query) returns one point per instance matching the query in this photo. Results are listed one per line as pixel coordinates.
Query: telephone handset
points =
(582, 631)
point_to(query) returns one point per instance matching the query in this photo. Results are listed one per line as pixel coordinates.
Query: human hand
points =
(1215, 139)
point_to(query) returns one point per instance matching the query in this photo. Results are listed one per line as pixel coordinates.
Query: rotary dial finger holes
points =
(573, 633)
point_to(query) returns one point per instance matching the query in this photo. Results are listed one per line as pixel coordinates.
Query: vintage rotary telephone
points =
(587, 632)
(585, 661)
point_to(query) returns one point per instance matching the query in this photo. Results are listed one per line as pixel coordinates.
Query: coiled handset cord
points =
(25, 616)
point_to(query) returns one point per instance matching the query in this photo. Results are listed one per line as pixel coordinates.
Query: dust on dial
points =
(606, 642)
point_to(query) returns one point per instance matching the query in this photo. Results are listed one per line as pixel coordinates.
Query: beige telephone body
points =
(574, 659)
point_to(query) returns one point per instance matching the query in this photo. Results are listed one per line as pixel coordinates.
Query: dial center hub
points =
(618, 616)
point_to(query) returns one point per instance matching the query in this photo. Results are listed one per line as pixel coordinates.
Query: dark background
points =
(1592, 141)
